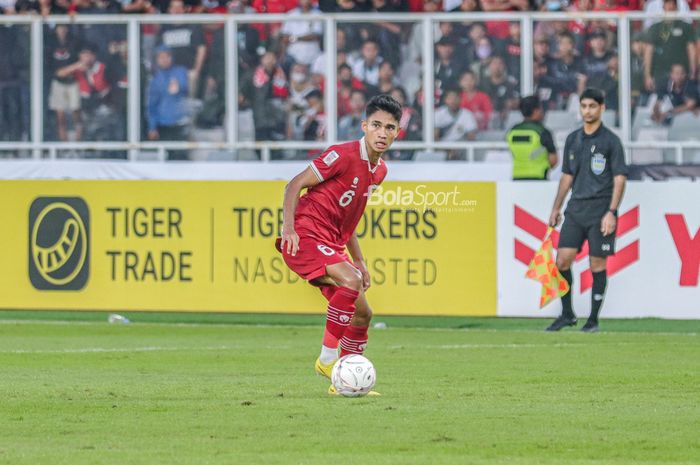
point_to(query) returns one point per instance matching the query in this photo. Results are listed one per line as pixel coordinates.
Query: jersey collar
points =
(365, 156)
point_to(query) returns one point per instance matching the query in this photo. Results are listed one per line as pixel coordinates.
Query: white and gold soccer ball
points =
(353, 376)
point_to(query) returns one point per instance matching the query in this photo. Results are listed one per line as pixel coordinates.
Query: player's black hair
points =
(384, 102)
(593, 94)
(529, 104)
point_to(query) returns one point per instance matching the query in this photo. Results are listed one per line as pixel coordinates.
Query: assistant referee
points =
(594, 168)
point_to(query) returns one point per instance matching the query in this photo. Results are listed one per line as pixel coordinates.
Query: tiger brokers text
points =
(139, 230)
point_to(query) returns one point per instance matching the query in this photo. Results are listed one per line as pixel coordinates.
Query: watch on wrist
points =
(613, 211)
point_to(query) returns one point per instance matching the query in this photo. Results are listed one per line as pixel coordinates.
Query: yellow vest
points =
(530, 157)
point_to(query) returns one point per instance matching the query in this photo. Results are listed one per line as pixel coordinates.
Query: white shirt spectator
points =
(367, 73)
(656, 7)
(303, 51)
(458, 125)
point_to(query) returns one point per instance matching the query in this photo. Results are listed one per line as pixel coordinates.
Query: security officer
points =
(531, 144)
(594, 168)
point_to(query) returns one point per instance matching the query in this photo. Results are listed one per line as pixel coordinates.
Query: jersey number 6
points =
(346, 198)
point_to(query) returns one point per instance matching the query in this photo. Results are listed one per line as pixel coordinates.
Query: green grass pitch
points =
(168, 390)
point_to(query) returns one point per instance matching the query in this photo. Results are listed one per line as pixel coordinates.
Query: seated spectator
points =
(349, 127)
(546, 87)
(474, 100)
(411, 124)
(387, 79)
(300, 86)
(567, 69)
(64, 96)
(484, 54)
(303, 36)
(453, 123)
(677, 95)
(346, 84)
(167, 114)
(366, 69)
(314, 119)
(502, 89)
(447, 68)
(512, 49)
(608, 83)
(186, 42)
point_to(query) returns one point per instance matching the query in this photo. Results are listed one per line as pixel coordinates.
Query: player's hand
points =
(291, 238)
(554, 218)
(366, 281)
(608, 224)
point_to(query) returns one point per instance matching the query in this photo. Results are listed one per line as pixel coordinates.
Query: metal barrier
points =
(37, 147)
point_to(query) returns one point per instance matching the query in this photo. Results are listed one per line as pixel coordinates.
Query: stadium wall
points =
(434, 247)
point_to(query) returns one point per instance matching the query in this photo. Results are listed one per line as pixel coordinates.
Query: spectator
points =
(410, 123)
(512, 50)
(566, 69)
(656, 8)
(669, 42)
(343, 6)
(314, 119)
(608, 82)
(303, 36)
(269, 90)
(447, 69)
(186, 42)
(300, 86)
(502, 89)
(677, 95)
(546, 87)
(639, 93)
(346, 84)
(484, 53)
(474, 100)
(387, 79)
(595, 65)
(64, 95)
(167, 114)
(42, 7)
(367, 68)
(11, 64)
(349, 127)
(453, 123)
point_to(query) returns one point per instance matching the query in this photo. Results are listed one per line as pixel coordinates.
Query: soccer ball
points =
(353, 376)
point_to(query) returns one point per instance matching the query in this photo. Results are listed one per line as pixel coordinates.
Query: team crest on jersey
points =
(330, 157)
(598, 163)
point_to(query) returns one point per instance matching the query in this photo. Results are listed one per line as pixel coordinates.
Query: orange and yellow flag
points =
(543, 269)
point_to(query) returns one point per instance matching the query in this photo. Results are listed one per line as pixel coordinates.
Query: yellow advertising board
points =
(209, 246)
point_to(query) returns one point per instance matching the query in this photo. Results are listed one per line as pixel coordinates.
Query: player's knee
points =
(353, 281)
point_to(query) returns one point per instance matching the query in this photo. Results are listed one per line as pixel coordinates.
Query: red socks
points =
(341, 307)
(354, 341)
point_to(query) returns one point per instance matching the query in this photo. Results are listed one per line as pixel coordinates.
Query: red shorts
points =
(312, 257)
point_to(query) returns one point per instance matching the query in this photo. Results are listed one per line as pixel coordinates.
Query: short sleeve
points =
(565, 166)
(617, 158)
(547, 141)
(329, 164)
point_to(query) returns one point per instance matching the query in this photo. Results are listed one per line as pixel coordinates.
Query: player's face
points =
(380, 130)
(591, 110)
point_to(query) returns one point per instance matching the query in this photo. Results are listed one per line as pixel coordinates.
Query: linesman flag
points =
(543, 269)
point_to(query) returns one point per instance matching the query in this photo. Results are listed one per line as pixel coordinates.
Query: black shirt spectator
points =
(595, 64)
(677, 95)
(447, 69)
(566, 69)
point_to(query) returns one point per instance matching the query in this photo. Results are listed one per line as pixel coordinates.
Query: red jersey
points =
(331, 210)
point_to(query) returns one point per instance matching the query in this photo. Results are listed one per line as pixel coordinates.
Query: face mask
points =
(483, 51)
(298, 77)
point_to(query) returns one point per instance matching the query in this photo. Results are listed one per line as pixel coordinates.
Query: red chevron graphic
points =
(538, 228)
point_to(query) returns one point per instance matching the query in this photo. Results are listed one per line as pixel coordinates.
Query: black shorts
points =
(582, 220)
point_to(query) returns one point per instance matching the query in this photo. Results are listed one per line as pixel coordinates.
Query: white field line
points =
(513, 345)
(107, 350)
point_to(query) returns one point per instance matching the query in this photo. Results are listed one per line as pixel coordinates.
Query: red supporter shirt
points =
(331, 210)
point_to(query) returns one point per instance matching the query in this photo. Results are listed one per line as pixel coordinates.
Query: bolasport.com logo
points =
(421, 198)
(59, 244)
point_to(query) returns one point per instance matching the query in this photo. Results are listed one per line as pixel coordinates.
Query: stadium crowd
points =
(281, 68)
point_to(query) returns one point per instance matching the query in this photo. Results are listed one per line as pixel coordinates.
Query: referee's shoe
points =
(561, 322)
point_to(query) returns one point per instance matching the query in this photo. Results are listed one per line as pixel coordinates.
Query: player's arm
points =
(359, 260)
(564, 186)
(301, 181)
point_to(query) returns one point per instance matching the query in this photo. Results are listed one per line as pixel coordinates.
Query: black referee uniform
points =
(593, 160)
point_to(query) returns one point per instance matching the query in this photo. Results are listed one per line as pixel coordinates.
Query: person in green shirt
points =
(531, 144)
